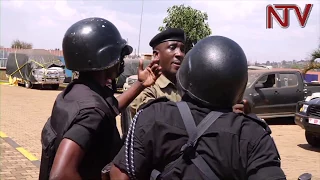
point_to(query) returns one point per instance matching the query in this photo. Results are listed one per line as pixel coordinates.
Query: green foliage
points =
(192, 21)
(313, 64)
(315, 54)
(296, 66)
(21, 45)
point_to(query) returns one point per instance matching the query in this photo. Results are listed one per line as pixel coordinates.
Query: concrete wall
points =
(147, 56)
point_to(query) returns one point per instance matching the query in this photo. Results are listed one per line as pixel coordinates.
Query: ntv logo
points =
(302, 17)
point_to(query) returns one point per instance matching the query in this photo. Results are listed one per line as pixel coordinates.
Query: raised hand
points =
(244, 107)
(150, 74)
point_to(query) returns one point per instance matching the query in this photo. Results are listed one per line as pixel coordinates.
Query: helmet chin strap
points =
(121, 67)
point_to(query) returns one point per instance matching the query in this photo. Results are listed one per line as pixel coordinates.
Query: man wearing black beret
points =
(168, 48)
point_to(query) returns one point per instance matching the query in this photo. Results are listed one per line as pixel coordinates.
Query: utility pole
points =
(140, 28)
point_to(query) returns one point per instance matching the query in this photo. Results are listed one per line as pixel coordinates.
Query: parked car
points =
(68, 72)
(313, 96)
(312, 87)
(35, 66)
(275, 92)
(307, 116)
(130, 68)
(126, 115)
(129, 81)
(259, 67)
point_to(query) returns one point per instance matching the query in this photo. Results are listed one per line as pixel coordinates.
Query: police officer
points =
(168, 48)
(201, 137)
(81, 136)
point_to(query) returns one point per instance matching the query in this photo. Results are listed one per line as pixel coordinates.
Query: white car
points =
(129, 81)
(53, 76)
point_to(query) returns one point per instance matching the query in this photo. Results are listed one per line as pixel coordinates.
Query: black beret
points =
(170, 34)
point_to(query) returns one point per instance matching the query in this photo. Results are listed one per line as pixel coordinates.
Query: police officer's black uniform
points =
(85, 111)
(235, 146)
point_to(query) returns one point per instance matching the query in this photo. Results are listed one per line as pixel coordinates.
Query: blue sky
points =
(43, 23)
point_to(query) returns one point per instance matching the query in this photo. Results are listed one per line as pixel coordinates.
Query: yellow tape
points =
(26, 154)
(2, 134)
(42, 65)
(31, 60)
(4, 83)
(37, 63)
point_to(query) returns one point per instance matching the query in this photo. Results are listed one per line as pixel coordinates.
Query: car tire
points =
(55, 86)
(312, 139)
(28, 84)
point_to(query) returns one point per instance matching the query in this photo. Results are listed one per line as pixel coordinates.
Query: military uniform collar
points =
(163, 82)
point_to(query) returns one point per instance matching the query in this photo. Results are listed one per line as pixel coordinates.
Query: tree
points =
(313, 64)
(21, 45)
(192, 21)
(296, 66)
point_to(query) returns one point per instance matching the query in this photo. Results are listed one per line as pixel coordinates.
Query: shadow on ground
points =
(45, 87)
(281, 121)
(308, 147)
(61, 88)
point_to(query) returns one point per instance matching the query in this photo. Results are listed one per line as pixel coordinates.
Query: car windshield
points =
(252, 76)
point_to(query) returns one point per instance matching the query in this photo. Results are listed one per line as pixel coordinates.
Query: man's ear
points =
(156, 54)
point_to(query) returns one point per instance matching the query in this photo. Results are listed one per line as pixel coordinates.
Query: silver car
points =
(129, 81)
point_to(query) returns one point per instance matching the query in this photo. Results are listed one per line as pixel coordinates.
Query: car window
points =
(288, 80)
(252, 77)
(268, 81)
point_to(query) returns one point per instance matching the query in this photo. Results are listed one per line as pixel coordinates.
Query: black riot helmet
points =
(214, 72)
(93, 44)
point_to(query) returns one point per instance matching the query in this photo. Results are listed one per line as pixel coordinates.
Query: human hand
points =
(244, 107)
(150, 74)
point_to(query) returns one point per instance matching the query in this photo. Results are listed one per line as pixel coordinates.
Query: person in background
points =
(168, 48)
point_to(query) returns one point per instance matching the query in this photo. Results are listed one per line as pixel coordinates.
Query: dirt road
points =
(23, 113)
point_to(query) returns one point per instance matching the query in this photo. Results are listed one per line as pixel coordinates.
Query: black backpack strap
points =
(195, 132)
(189, 148)
(187, 118)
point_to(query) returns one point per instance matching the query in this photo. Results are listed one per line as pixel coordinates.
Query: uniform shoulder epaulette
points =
(150, 102)
(258, 120)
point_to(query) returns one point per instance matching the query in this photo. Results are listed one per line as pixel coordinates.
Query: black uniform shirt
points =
(94, 130)
(234, 147)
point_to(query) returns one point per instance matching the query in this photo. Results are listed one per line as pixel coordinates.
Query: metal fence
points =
(3, 57)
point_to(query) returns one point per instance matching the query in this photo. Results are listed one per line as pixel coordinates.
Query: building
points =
(147, 56)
